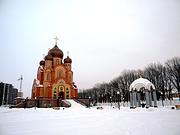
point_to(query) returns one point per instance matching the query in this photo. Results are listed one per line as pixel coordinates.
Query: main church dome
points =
(56, 52)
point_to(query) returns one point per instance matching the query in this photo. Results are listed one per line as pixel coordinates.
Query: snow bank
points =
(75, 104)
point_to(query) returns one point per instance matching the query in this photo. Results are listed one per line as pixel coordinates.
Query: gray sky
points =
(104, 37)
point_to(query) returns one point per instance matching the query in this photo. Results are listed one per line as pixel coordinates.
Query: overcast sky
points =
(104, 37)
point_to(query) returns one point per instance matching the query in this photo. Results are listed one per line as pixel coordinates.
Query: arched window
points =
(69, 77)
(67, 93)
(59, 74)
(57, 62)
(48, 77)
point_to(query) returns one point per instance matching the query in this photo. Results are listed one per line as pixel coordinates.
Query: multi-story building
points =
(8, 94)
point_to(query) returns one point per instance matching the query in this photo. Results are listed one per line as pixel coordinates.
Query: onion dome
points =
(67, 60)
(49, 57)
(56, 52)
(42, 62)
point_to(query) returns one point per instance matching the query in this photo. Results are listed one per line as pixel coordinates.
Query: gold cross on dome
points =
(56, 39)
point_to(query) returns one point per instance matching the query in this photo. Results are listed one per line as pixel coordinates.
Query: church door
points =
(61, 95)
(61, 92)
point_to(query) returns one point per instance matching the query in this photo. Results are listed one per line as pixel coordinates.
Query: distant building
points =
(54, 77)
(8, 94)
(20, 94)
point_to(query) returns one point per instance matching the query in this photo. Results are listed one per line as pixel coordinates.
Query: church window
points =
(48, 77)
(67, 93)
(57, 62)
(59, 74)
(54, 94)
(69, 77)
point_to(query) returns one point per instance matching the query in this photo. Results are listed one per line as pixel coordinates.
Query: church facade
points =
(54, 77)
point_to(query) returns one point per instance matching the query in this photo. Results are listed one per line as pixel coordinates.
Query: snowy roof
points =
(141, 83)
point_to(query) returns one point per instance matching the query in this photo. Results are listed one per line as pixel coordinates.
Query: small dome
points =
(141, 83)
(42, 62)
(56, 52)
(67, 60)
(48, 57)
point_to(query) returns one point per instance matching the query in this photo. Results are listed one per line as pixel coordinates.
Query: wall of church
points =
(69, 77)
(48, 64)
(60, 72)
(57, 61)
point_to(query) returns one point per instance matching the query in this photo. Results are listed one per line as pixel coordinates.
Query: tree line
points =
(165, 77)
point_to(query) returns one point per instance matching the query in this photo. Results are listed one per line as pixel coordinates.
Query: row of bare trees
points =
(165, 77)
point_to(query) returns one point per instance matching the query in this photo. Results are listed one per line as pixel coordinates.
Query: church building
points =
(54, 77)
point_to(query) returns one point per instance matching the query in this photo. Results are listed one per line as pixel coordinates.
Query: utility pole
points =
(20, 79)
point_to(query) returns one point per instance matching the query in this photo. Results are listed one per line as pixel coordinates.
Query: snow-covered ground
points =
(75, 104)
(79, 120)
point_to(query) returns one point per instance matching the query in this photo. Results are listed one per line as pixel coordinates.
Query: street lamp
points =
(111, 100)
(179, 83)
(35, 103)
(179, 92)
(102, 99)
(162, 99)
(118, 99)
(89, 101)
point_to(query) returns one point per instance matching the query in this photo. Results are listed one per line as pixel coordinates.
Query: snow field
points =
(85, 121)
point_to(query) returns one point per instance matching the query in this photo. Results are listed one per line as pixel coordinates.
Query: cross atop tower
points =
(56, 39)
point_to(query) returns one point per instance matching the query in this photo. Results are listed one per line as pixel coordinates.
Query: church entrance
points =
(61, 95)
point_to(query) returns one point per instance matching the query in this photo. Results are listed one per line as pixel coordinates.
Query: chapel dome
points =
(56, 52)
(42, 62)
(48, 57)
(67, 60)
(141, 83)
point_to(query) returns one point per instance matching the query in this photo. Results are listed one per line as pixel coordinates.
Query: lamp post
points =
(35, 103)
(89, 101)
(111, 100)
(102, 99)
(118, 99)
(162, 99)
(179, 82)
(179, 92)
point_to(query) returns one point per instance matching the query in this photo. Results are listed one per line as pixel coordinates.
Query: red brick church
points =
(54, 77)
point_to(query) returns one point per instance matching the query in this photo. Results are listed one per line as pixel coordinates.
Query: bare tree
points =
(156, 73)
(165, 78)
(173, 72)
